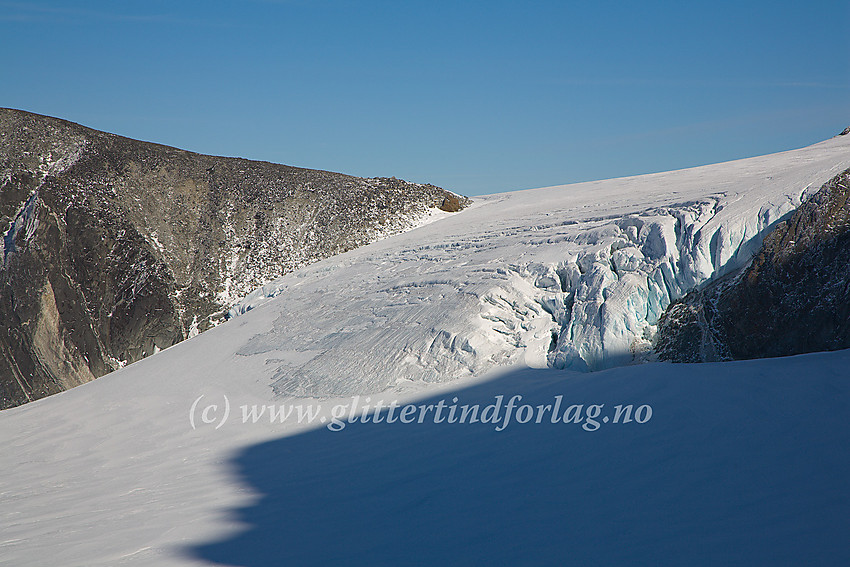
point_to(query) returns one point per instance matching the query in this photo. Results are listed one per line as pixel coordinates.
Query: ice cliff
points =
(573, 277)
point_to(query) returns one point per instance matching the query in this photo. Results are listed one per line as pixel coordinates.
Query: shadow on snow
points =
(740, 462)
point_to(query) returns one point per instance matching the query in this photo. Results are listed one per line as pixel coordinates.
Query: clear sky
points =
(476, 97)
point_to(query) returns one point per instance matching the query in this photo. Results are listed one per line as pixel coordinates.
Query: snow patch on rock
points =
(23, 227)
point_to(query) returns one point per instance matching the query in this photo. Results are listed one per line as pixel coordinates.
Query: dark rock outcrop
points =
(793, 298)
(114, 248)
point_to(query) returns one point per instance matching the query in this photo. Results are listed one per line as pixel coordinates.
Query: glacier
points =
(572, 277)
(741, 462)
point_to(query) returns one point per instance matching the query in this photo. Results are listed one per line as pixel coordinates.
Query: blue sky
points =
(476, 97)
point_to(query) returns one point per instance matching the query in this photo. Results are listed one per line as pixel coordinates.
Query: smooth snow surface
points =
(741, 463)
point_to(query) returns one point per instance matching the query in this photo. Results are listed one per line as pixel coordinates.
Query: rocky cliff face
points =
(793, 298)
(114, 248)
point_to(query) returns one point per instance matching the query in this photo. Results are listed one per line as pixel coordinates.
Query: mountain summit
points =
(115, 248)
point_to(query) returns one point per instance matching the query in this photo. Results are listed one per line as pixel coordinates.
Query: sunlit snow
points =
(741, 463)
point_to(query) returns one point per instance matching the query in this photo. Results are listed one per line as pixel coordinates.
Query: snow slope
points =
(573, 277)
(740, 463)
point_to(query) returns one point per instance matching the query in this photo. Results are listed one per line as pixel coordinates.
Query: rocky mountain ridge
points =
(115, 248)
(793, 298)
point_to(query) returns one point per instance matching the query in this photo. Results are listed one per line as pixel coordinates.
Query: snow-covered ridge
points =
(573, 276)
